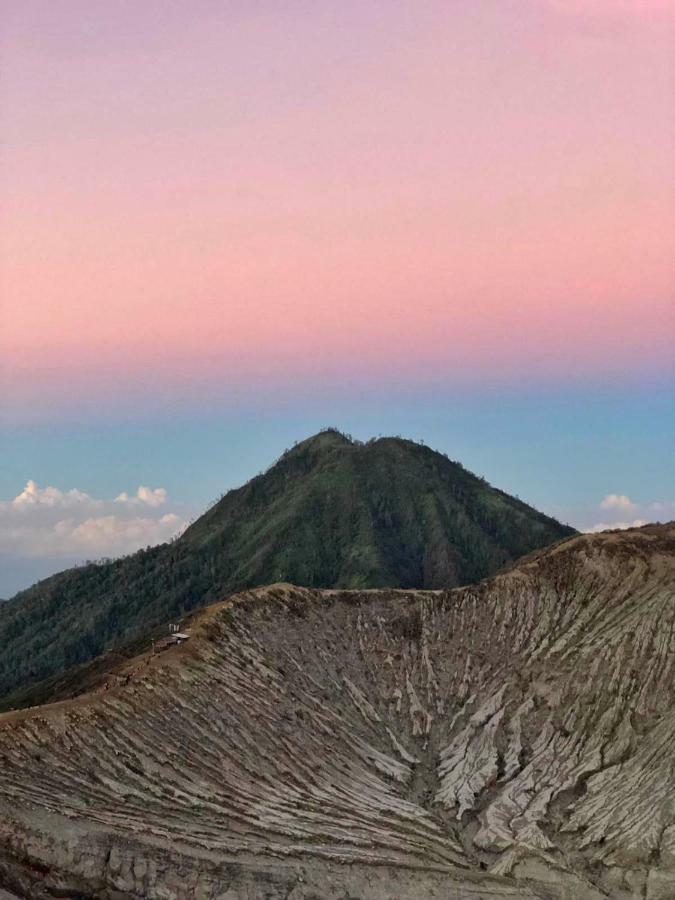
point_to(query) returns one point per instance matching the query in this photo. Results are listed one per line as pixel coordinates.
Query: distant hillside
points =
(330, 513)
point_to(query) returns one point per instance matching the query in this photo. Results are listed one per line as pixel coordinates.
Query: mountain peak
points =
(326, 439)
(332, 512)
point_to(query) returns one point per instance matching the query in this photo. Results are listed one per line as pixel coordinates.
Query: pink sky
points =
(291, 189)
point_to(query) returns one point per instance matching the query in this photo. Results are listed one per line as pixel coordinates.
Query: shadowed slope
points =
(329, 513)
(442, 743)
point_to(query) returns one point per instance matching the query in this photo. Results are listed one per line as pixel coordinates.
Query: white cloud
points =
(632, 515)
(41, 522)
(111, 534)
(617, 501)
(144, 496)
(33, 495)
(614, 526)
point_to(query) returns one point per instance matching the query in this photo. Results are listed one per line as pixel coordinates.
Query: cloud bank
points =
(657, 511)
(46, 521)
(613, 526)
(616, 501)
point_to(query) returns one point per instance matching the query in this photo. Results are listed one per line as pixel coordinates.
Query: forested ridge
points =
(331, 512)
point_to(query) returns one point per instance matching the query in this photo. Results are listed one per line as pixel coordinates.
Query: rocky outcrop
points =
(509, 740)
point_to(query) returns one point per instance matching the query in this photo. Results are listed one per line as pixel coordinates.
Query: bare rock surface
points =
(514, 739)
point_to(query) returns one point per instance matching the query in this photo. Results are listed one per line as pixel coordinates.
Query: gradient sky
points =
(225, 224)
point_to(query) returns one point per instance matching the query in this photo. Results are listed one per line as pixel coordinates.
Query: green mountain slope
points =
(330, 513)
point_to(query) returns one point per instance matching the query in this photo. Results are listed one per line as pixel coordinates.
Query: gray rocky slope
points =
(514, 739)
